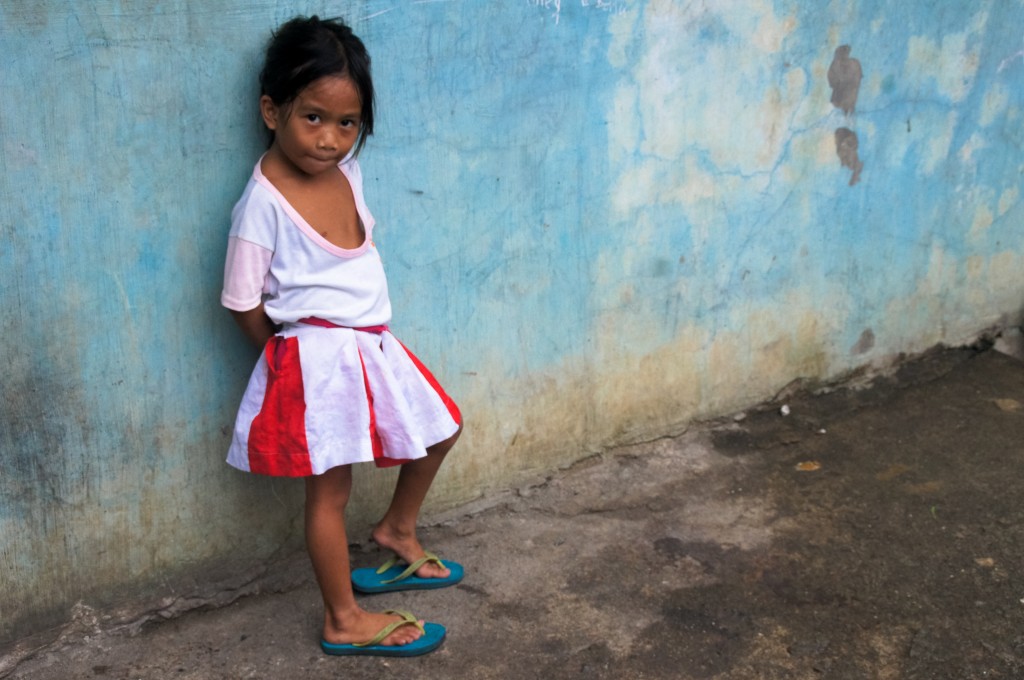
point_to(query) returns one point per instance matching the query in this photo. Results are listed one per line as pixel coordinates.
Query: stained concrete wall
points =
(601, 219)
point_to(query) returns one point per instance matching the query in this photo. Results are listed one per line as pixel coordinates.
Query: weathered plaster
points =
(951, 62)
(601, 220)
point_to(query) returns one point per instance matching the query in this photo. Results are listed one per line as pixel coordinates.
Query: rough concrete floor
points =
(711, 555)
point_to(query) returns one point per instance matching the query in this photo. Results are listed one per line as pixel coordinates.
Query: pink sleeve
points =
(245, 274)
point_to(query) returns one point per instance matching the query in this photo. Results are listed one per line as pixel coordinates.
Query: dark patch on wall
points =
(39, 427)
(663, 267)
(864, 343)
(844, 75)
(40, 430)
(846, 149)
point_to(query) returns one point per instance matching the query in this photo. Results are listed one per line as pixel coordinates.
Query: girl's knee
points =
(329, 490)
(443, 447)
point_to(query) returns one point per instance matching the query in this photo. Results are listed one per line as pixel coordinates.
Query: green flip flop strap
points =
(407, 618)
(427, 557)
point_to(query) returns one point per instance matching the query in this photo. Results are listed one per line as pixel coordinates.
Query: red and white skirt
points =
(322, 397)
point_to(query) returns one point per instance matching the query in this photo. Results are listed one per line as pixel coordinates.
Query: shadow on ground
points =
(875, 532)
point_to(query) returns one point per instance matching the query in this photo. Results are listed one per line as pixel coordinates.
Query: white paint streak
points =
(1009, 60)
(378, 14)
(1006, 62)
(612, 7)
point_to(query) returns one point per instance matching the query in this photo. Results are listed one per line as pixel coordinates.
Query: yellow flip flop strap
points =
(428, 557)
(407, 618)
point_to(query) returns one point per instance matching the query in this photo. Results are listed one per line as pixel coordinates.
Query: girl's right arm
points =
(250, 254)
(245, 274)
(256, 325)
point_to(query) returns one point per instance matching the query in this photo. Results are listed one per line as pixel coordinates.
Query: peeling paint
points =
(939, 139)
(951, 63)
(982, 221)
(598, 225)
(994, 103)
(1009, 198)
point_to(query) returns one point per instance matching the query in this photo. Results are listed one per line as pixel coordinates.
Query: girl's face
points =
(318, 128)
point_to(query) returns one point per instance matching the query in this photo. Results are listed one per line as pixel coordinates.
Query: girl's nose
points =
(327, 143)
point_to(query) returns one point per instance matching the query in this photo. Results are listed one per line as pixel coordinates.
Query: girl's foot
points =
(408, 548)
(362, 626)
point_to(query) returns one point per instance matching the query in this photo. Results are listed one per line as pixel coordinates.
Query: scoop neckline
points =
(304, 226)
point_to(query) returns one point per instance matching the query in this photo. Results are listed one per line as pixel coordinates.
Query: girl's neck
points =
(276, 167)
(325, 201)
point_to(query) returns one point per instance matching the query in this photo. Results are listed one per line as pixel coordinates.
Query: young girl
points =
(333, 386)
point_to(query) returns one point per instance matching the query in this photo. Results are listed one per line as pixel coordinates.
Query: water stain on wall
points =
(864, 343)
(846, 149)
(844, 75)
(122, 485)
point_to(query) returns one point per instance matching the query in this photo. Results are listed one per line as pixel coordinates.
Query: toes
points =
(404, 635)
(433, 571)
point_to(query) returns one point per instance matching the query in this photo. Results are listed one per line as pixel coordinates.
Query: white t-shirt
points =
(274, 255)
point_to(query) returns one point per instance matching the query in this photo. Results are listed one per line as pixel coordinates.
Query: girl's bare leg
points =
(344, 621)
(396, 531)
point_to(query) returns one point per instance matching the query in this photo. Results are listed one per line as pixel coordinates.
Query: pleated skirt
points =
(323, 397)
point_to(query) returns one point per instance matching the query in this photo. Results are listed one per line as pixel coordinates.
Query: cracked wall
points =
(601, 219)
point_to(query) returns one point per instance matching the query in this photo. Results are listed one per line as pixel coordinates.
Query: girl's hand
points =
(256, 325)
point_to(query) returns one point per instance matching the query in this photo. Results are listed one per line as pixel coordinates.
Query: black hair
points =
(304, 50)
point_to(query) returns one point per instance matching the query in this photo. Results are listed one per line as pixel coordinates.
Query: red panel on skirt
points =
(453, 409)
(277, 439)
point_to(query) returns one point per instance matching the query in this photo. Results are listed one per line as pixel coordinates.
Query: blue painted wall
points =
(601, 219)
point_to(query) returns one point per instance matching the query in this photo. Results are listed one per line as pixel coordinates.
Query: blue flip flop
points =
(433, 636)
(393, 576)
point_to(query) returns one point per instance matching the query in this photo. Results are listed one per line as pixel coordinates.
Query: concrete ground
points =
(877, 531)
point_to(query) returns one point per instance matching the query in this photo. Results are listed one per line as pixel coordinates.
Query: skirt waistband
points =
(324, 323)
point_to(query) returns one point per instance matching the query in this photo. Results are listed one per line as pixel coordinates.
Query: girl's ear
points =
(270, 112)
